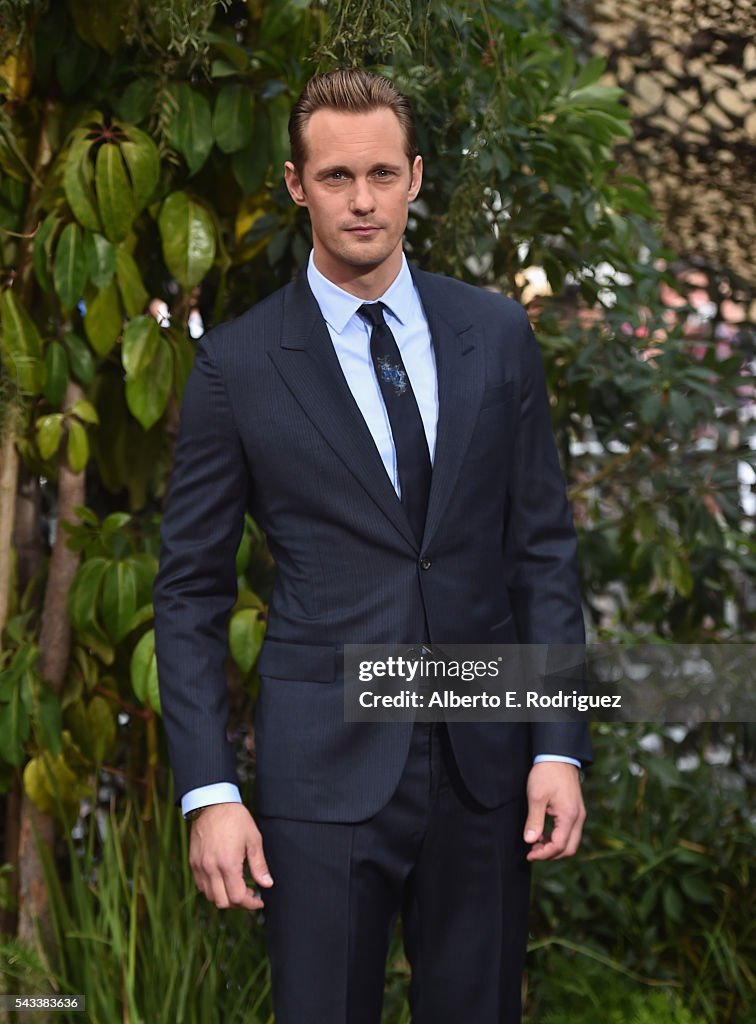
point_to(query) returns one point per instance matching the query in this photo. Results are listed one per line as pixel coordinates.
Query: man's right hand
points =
(223, 837)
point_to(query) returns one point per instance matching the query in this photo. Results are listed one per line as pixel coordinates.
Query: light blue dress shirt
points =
(350, 335)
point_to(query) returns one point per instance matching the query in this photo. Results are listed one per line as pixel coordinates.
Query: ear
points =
(416, 179)
(294, 184)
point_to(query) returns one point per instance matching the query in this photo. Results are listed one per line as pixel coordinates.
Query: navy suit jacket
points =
(269, 426)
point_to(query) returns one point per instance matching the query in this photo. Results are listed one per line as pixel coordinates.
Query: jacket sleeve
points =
(195, 587)
(541, 546)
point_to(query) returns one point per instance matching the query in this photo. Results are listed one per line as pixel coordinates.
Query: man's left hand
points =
(554, 788)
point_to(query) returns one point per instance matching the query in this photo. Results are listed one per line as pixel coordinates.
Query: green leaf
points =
(236, 54)
(250, 164)
(74, 63)
(279, 110)
(140, 342)
(650, 408)
(143, 162)
(682, 409)
(697, 888)
(21, 345)
(147, 393)
(78, 179)
(188, 237)
(48, 720)
(81, 358)
(92, 726)
(136, 102)
(56, 372)
(672, 902)
(590, 72)
(103, 320)
(183, 360)
(243, 553)
(144, 674)
(100, 259)
(14, 729)
(84, 596)
(190, 130)
(245, 636)
(680, 574)
(115, 198)
(78, 446)
(102, 727)
(281, 18)
(115, 522)
(41, 253)
(84, 410)
(49, 430)
(119, 599)
(605, 97)
(233, 117)
(133, 292)
(70, 271)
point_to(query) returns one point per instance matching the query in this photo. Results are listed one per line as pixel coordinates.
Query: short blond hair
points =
(353, 91)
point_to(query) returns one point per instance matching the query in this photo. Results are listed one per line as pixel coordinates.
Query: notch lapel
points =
(460, 370)
(305, 358)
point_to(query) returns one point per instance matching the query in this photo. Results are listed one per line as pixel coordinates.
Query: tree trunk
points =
(8, 478)
(55, 644)
(12, 804)
(55, 632)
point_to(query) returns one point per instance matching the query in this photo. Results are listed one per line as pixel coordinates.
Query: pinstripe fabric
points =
(269, 425)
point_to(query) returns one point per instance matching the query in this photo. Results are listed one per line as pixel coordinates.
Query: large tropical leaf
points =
(188, 237)
(21, 344)
(70, 271)
(233, 117)
(115, 198)
(190, 129)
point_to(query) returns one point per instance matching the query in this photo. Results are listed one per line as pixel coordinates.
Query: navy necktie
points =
(412, 456)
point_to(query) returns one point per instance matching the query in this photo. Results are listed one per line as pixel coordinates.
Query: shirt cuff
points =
(217, 793)
(557, 757)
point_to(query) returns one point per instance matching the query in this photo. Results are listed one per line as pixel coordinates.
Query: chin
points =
(367, 256)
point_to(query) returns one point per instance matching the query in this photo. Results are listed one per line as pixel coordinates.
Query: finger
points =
(242, 895)
(238, 892)
(545, 849)
(575, 836)
(258, 865)
(563, 841)
(536, 821)
(217, 891)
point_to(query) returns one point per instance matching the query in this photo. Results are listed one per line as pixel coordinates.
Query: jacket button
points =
(425, 563)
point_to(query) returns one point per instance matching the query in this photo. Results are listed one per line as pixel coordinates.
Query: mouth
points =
(363, 229)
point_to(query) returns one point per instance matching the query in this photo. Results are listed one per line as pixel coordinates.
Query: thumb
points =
(258, 865)
(535, 822)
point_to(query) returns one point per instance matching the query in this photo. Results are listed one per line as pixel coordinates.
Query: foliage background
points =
(141, 147)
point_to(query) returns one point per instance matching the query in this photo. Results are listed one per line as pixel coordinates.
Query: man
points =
(389, 430)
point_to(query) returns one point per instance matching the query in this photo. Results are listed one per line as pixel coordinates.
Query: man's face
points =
(357, 185)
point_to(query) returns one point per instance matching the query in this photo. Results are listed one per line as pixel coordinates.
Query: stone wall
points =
(689, 67)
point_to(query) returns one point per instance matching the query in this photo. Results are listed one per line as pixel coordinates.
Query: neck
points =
(367, 283)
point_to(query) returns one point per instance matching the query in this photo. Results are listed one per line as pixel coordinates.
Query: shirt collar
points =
(338, 306)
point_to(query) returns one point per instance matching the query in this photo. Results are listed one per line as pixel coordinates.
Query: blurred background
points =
(595, 160)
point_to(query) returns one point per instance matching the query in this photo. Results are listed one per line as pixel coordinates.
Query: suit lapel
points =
(308, 364)
(461, 377)
(305, 358)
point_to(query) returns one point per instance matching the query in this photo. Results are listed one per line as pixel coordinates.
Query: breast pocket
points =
(495, 422)
(498, 393)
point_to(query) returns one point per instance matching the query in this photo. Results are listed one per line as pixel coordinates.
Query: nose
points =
(362, 199)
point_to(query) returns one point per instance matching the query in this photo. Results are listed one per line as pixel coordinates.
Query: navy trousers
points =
(455, 871)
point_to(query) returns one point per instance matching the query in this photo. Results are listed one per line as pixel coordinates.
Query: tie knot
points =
(373, 313)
